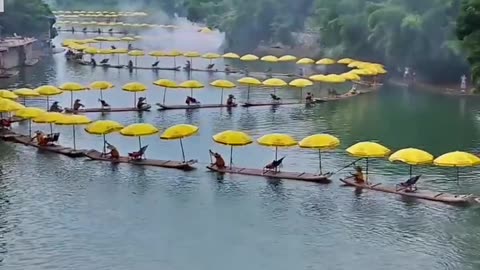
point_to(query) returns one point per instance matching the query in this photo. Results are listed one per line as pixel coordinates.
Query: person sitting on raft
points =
(104, 103)
(227, 69)
(93, 62)
(309, 98)
(40, 137)
(358, 175)
(275, 97)
(5, 124)
(77, 105)
(353, 91)
(142, 103)
(190, 100)
(84, 30)
(73, 29)
(55, 107)
(188, 65)
(210, 66)
(219, 162)
(99, 30)
(231, 100)
(130, 64)
(129, 47)
(113, 154)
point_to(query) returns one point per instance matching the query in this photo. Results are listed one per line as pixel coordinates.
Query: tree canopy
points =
(468, 30)
(25, 17)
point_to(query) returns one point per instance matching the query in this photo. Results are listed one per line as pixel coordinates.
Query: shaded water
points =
(60, 213)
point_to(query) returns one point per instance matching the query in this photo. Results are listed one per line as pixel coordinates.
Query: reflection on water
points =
(59, 213)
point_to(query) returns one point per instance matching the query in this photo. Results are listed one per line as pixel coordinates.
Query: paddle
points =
(343, 168)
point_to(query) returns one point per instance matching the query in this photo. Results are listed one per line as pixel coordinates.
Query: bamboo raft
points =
(105, 110)
(184, 166)
(308, 177)
(25, 140)
(269, 104)
(157, 68)
(213, 70)
(192, 107)
(93, 31)
(419, 194)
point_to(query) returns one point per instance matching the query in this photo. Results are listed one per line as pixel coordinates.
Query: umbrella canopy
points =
(233, 139)
(364, 72)
(165, 83)
(192, 84)
(73, 120)
(274, 82)
(211, 56)
(136, 53)
(457, 159)
(72, 87)
(270, 59)
(249, 81)
(134, 87)
(191, 54)
(325, 61)
(47, 118)
(128, 39)
(25, 92)
(156, 53)
(91, 50)
(103, 127)
(8, 94)
(317, 77)
(140, 129)
(231, 56)
(249, 57)
(412, 156)
(368, 150)
(205, 30)
(320, 142)
(306, 61)
(350, 76)
(48, 90)
(223, 84)
(301, 83)
(334, 78)
(7, 105)
(29, 112)
(276, 140)
(287, 58)
(345, 61)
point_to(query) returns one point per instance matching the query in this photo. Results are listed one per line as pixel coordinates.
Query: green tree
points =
(468, 30)
(25, 17)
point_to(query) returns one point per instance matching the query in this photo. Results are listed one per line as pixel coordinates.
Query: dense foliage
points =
(468, 30)
(25, 17)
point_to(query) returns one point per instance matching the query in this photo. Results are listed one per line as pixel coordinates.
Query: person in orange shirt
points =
(40, 137)
(219, 162)
(358, 176)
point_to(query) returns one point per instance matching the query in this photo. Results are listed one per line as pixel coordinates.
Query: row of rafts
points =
(319, 142)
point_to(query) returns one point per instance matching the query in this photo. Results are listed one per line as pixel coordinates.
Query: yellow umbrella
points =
(139, 130)
(157, 54)
(72, 87)
(166, 84)
(317, 78)
(356, 64)
(192, 84)
(350, 76)
(276, 140)
(249, 58)
(211, 56)
(334, 78)
(174, 54)
(457, 160)
(101, 86)
(274, 82)
(136, 54)
(73, 120)
(48, 118)
(205, 30)
(91, 50)
(412, 157)
(191, 55)
(134, 87)
(368, 150)
(29, 113)
(249, 81)
(118, 51)
(103, 127)
(178, 132)
(48, 91)
(233, 139)
(320, 142)
(223, 84)
(306, 61)
(25, 92)
(301, 83)
(287, 58)
(345, 61)
(325, 61)
(7, 94)
(269, 58)
(7, 105)
(231, 56)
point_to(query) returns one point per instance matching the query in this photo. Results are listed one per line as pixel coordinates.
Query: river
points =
(62, 213)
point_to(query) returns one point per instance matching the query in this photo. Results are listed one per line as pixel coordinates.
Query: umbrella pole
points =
(24, 101)
(183, 152)
(410, 171)
(48, 103)
(104, 144)
(101, 94)
(231, 156)
(174, 62)
(221, 98)
(320, 160)
(458, 176)
(71, 100)
(301, 94)
(367, 169)
(30, 127)
(74, 143)
(140, 142)
(191, 92)
(164, 95)
(276, 156)
(248, 94)
(51, 128)
(134, 98)
(135, 61)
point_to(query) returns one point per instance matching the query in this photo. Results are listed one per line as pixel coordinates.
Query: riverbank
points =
(451, 89)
